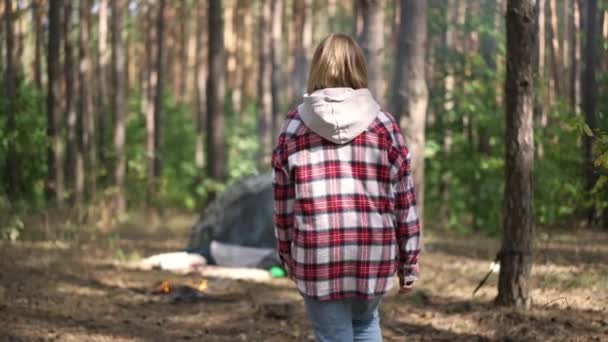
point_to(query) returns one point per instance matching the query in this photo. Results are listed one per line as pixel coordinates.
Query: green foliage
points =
(243, 142)
(473, 179)
(29, 139)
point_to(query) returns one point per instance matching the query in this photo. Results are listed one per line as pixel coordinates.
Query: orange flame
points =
(165, 287)
(203, 285)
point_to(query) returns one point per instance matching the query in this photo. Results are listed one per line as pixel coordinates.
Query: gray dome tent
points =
(236, 229)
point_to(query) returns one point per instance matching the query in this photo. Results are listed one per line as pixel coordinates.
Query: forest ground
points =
(74, 286)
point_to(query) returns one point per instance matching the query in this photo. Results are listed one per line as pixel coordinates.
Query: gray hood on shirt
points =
(338, 114)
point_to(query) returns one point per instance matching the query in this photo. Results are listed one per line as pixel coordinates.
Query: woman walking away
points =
(345, 207)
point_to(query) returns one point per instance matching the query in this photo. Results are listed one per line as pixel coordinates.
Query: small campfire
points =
(175, 293)
(167, 287)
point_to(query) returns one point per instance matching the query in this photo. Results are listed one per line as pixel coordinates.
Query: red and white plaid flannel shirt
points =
(345, 214)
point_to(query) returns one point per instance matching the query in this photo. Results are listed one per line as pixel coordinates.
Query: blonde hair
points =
(338, 62)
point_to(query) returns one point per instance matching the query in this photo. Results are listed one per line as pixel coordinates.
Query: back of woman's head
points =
(338, 62)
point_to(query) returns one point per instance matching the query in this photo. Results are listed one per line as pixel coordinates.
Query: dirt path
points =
(77, 291)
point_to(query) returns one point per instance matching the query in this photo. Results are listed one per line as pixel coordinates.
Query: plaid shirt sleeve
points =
(284, 194)
(407, 228)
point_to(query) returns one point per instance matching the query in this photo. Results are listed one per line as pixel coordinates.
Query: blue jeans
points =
(345, 320)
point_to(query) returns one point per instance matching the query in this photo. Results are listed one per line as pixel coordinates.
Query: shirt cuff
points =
(408, 273)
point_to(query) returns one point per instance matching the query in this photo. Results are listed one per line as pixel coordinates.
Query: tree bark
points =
(119, 109)
(12, 162)
(264, 97)
(183, 50)
(216, 143)
(37, 11)
(277, 70)
(54, 183)
(543, 97)
(149, 84)
(158, 96)
(589, 97)
(556, 88)
(102, 103)
(87, 156)
(72, 176)
(410, 98)
(200, 86)
(303, 40)
(372, 42)
(575, 57)
(517, 245)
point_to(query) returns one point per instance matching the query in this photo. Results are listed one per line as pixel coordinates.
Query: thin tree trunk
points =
(277, 70)
(372, 42)
(556, 86)
(303, 40)
(54, 183)
(70, 108)
(566, 45)
(201, 80)
(183, 50)
(288, 77)
(12, 162)
(444, 125)
(87, 156)
(19, 31)
(575, 57)
(158, 96)
(240, 19)
(264, 97)
(2, 35)
(119, 102)
(190, 74)
(539, 114)
(147, 97)
(102, 103)
(38, 41)
(517, 245)
(589, 100)
(216, 143)
(410, 91)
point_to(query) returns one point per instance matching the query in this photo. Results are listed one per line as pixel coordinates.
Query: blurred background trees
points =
(130, 103)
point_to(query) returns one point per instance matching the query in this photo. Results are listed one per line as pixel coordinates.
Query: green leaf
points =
(587, 130)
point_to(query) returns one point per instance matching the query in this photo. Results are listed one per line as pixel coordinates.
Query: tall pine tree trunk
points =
(372, 42)
(87, 156)
(303, 43)
(539, 110)
(70, 108)
(102, 96)
(54, 183)
(158, 96)
(589, 100)
(37, 11)
(517, 245)
(556, 81)
(277, 60)
(119, 96)
(200, 86)
(216, 83)
(410, 98)
(264, 97)
(575, 58)
(12, 163)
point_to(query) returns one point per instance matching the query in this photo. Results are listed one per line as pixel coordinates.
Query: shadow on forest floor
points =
(78, 290)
